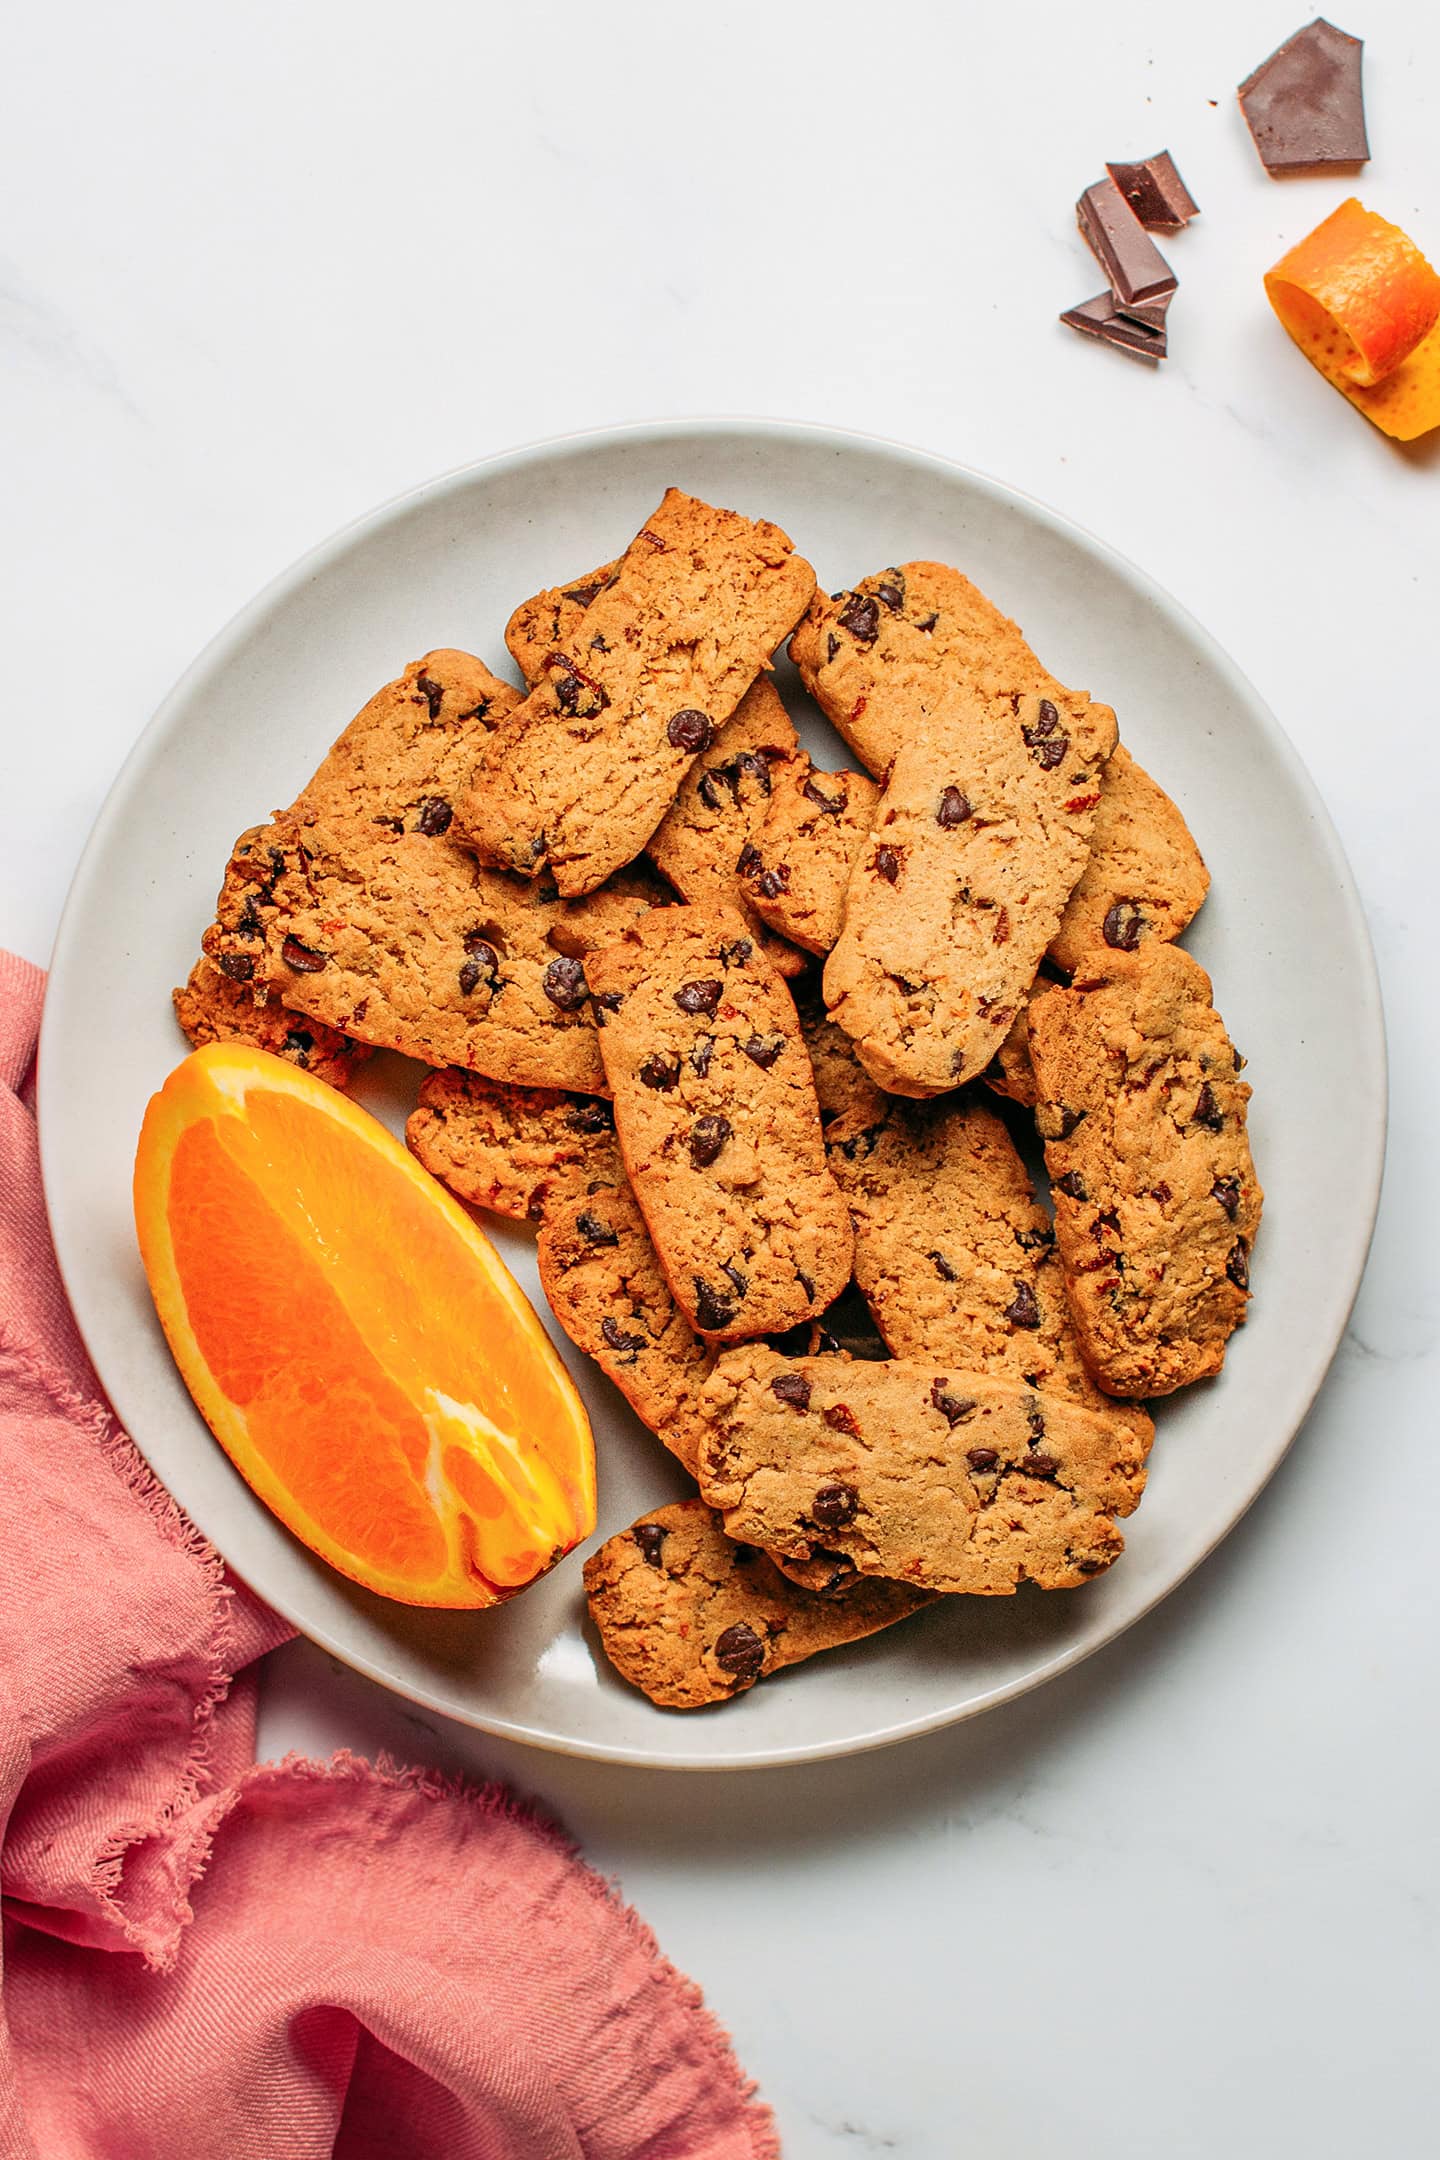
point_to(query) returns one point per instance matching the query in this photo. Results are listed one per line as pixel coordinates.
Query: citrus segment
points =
(353, 1339)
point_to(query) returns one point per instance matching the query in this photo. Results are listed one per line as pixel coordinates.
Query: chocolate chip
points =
(708, 1136)
(1227, 1191)
(433, 694)
(805, 1283)
(831, 805)
(623, 1345)
(792, 1388)
(432, 816)
(483, 965)
(740, 1651)
(886, 864)
(1207, 1111)
(774, 882)
(763, 1050)
(251, 923)
(832, 646)
(1090, 1567)
(892, 592)
(1072, 1185)
(1037, 1465)
(841, 1418)
(737, 1276)
(594, 1231)
(606, 1001)
(1034, 1240)
(1122, 926)
(240, 967)
(943, 1268)
(660, 1072)
(1162, 1193)
(699, 997)
(564, 984)
(478, 710)
(953, 1408)
(1023, 1311)
(1056, 1121)
(711, 1309)
(1035, 1419)
(954, 808)
(690, 730)
(301, 958)
(750, 861)
(1237, 1267)
(982, 1458)
(570, 684)
(737, 954)
(929, 622)
(649, 1536)
(595, 1117)
(582, 595)
(1047, 739)
(834, 1506)
(701, 1052)
(861, 617)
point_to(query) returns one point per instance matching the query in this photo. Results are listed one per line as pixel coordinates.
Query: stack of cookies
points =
(731, 1031)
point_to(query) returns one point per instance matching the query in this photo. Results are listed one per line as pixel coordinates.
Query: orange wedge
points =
(353, 1339)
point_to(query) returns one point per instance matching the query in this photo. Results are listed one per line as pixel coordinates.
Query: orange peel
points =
(1363, 305)
(353, 1338)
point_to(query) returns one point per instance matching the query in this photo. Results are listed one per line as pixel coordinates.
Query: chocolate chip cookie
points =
(690, 1618)
(507, 1149)
(718, 1123)
(540, 625)
(581, 773)
(214, 1007)
(979, 839)
(1142, 1112)
(798, 861)
(955, 1481)
(1145, 877)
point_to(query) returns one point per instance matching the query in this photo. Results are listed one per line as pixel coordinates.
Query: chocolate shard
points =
(1102, 318)
(1150, 313)
(1304, 105)
(1155, 192)
(1126, 253)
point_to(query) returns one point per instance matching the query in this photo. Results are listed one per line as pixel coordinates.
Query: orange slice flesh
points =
(1363, 305)
(353, 1339)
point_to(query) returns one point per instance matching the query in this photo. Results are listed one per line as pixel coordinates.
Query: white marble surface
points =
(264, 266)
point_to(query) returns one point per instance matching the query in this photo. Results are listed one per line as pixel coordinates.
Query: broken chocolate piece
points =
(1126, 253)
(1155, 192)
(1102, 318)
(1304, 105)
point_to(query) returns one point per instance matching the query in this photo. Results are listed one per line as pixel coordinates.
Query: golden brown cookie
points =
(956, 1481)
(705, 834)
(506, 1148)
(1145, 877)
(1156, 1200)
(539, 625)
(716, 1114)
(979, 838)
(582, 772)
(360, 908)
(214, 1007)
(798, 862)
(690, 1618)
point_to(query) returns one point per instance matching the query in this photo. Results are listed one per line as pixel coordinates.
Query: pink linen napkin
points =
(206, 1960)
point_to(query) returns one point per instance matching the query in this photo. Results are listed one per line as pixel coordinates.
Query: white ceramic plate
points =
(444, 566)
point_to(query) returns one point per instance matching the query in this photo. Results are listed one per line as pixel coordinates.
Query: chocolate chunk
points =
(301, 958)
(763, 1050)
(1023, 1311)
(699, 997)
(832, 805)
(1207, 1111)
(594, 1231)
(954, 808)
(834, 1506)
(841, 1418)
(1103, 318)
(1227, 1191)
(594, 1117)
(1122, 926)
(432, 816)
(1126, 253)
(792, 1388)
(737, 1276)
(1305, 105)
(660, 1072)
(892, 592)
(1046, 740)
(649, 1536)
(1155, 192)
(953, 1408)
(240, 967)
(690, 730)
(982, 1458)
(942, 1267)
(771, 883)
(1038, 1465)
(564, 984)
(708, 1136)
(701, 1052)
(1035, 1419)
(887, 864)
(582, 595)
(861, 617)
(624, 1345)
(1237, 1267)
(736, 955)
(711, 1309)
(433, 694)
(740, 1651)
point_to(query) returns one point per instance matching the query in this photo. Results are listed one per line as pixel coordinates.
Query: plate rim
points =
(1370, 1031)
